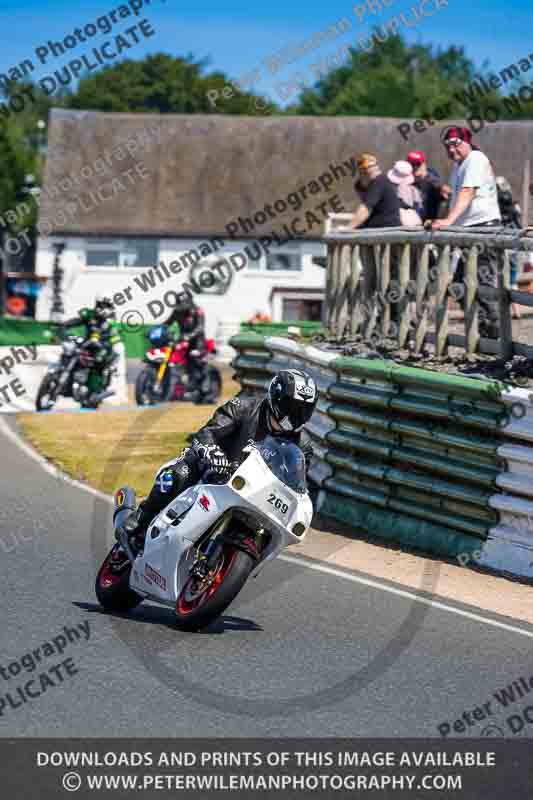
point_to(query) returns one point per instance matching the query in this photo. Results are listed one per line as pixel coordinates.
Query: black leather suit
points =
(234, 425)
(192, 329)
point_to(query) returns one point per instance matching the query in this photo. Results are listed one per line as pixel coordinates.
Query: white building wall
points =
(250, 290)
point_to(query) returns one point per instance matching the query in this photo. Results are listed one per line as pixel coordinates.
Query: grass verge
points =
(112, 448)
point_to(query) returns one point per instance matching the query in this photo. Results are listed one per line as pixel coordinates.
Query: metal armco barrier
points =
(439, 462)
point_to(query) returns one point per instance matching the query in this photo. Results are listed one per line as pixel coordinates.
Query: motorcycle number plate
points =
(280, 503)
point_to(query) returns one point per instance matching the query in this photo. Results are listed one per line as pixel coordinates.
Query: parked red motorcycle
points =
(164, 378)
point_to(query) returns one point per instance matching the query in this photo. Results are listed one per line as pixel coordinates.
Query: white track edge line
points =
(410, 595)
(47, 465)
(57, 473)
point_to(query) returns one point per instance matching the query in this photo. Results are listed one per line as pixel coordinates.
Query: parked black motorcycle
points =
(83, 372)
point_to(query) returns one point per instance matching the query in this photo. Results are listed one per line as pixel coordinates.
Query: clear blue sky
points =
(238, 35)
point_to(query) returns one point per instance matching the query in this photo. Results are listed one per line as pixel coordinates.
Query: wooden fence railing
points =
(396, 283)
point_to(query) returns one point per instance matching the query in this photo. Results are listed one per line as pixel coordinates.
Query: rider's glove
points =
(214, 455)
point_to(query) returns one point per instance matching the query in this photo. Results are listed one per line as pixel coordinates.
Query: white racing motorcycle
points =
(200, 550)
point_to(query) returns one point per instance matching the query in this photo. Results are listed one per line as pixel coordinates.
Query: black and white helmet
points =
(184, 304)
(292, 396)
(104, 307)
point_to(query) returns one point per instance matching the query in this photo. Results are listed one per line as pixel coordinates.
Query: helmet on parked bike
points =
(292, 396)
(159, 336)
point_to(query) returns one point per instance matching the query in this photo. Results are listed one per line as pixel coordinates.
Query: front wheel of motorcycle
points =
(145, 391)
(112, 585)
(202, 601)
(46, 396)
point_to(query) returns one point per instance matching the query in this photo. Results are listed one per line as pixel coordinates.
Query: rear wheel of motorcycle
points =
(112, 584)
(46, 398)
(195, 608)
(145, 395)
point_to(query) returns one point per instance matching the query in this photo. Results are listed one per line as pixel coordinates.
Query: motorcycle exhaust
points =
(102, 395)
(125, 503)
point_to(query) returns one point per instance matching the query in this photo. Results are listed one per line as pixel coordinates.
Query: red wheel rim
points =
(108, 576)
(186, 606)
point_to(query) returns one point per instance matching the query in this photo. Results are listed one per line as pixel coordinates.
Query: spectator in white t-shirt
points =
(474, 203)
(474, 193)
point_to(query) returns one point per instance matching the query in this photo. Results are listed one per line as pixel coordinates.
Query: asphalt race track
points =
(301, 652)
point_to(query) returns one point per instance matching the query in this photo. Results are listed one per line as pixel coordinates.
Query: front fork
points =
(65, 374)
(209, 552)
(162, 369)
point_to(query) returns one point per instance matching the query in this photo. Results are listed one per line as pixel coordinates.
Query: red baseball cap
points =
(416, 157)
(455, 134)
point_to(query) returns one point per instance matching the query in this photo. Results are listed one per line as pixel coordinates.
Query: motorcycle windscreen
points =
(286, 461)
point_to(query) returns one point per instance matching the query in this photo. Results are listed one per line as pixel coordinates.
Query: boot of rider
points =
(136, 524)
(205, 386)
(169, 482)
(193, 384)
(202, 382)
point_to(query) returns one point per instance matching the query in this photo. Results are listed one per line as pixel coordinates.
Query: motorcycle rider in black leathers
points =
(289, 403)
(191, 321)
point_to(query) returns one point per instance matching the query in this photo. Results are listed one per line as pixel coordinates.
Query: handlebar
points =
(211, 475)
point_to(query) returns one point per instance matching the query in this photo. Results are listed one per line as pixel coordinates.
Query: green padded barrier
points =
(405, 529)
(414, 451)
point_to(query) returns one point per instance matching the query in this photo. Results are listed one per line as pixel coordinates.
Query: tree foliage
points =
(160, 84)
(157, 84)
(20, 142)
(395, 79)
(392, 79)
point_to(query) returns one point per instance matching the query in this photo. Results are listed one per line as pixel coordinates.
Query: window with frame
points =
(294, 309)
(286, 262)
(107, 252)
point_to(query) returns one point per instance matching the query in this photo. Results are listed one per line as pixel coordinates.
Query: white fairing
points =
(161, 571)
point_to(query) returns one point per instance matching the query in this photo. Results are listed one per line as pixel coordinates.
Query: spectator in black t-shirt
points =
(430, 185)
(380, 206)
